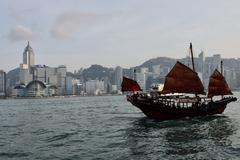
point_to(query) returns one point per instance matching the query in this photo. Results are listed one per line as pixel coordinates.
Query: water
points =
(111, 128)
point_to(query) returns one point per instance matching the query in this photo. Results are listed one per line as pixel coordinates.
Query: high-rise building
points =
(118, 76)
(26, 67)
(78, 87)
(94, 87)
(2, 83)
(55, 77)
(69, 86)
(25, 75)
(141, 79)
(61, 76)
(28, 56)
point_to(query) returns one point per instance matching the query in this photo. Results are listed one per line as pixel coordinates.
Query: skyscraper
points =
(53, 77)
(28, 56)
(26, 68)
(2, 83)
(118, 76)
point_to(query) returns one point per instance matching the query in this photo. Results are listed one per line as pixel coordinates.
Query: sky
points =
(78, 33)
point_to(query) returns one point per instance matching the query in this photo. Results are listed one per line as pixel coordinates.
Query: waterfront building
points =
(114, 89)
(25, 74)
(76, 83)
(51, 90)
(230, 76)
(147, 78)
(209, 65)
(118, 72)
(19, 90)
(78, 87)
(2, 84)
(69, 86)
(141, 79)
(95, 87)
(55, 77)
(107, 85)
(36, 88)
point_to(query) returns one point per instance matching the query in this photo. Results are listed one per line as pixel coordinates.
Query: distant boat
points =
(182, 95)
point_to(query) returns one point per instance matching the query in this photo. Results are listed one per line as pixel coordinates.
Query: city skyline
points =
(32, 80)
(126, 33)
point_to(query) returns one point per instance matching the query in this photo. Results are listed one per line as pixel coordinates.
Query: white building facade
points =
(55, 77)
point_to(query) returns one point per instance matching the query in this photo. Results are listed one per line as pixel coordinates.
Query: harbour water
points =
(108, 127)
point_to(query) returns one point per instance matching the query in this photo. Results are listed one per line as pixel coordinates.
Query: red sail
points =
(218, 85)
(130, 85)
(182, 79)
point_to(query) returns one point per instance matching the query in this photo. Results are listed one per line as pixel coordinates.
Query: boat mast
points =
(222, 71)
(192, 61)
(221, 67)
(192, 56)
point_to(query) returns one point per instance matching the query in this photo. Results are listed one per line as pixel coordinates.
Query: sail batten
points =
(182, 79)
(217, 85)
(130, 85)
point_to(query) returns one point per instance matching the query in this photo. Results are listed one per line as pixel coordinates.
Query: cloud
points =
(69, 23)
(20, 33)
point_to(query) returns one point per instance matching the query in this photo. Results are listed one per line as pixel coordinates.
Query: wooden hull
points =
(161, 111)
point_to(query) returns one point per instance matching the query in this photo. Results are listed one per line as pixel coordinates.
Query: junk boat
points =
(182, 95)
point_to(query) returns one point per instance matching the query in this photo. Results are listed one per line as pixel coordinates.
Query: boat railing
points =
(175, 101)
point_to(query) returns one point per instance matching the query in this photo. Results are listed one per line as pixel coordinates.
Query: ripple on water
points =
(60, 137)
(13, 154)
(111, 128)
(41, 131)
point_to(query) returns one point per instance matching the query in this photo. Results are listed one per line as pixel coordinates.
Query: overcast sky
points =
(78, 33)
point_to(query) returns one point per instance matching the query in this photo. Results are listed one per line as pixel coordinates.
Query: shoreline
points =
(66, 96)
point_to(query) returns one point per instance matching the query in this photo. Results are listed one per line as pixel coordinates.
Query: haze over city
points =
(78, 33)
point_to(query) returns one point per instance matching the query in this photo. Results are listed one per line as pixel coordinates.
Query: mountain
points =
(13, 77)
(96, 72)
(163, 61)
(159, 60)
(99, 72)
